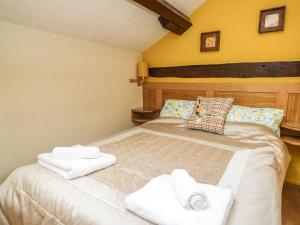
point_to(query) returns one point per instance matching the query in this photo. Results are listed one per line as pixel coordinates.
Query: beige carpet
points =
(291, 205)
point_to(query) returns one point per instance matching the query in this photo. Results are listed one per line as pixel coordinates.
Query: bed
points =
(253, 163)
(251, 159)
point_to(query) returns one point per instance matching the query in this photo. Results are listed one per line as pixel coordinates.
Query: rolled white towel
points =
(187, 191)
(156, 202)
(76, 152)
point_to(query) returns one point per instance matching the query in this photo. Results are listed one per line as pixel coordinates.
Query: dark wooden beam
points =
(170, 26)
(239, 70)
(170, 18)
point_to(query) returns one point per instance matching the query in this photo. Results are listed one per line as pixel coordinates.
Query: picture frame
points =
(210, 41)
(272, 20)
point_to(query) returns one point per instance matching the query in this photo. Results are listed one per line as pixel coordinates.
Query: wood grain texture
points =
(291, 129)
(293, 112)
(295, 141)
(254, 99)
(168, 25)
(152, 99)
(290, 205)
(285, 96)
(238, 70)
(170, 17)
(182, 94)
(291, 125)
(143, 115)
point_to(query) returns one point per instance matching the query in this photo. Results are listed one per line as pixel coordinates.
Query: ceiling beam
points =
(169, 17)
(171, 26)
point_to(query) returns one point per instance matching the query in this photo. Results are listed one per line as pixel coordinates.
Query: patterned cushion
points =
(210, 114)
(174, 108)
(269, 117)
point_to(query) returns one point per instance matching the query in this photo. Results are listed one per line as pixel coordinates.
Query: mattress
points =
(250, 159)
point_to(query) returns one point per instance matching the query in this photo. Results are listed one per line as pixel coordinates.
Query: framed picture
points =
(210, 41)
(272, 20)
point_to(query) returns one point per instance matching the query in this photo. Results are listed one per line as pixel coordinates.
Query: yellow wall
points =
(58, 91)
(240, 42)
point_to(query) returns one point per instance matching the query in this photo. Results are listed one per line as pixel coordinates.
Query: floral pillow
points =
(210, 114)
(175, 108)
(269, 117)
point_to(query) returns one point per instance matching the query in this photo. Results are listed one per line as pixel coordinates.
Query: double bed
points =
(251, 159)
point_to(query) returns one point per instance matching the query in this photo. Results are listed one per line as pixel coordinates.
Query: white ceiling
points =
(116, 22)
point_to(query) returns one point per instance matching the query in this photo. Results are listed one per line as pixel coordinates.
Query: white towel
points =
(73, 168)
(187, 191)
(157, 203)
(76, 152)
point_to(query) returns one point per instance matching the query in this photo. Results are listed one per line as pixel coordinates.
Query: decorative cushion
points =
(175, 108)
(269, 117)
(210, 114)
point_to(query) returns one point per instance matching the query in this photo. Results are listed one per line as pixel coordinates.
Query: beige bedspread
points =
(250, 159)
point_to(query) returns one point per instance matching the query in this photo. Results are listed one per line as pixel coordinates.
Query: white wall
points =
(57, 90)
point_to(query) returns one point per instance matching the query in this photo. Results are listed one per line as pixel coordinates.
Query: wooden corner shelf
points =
(291, 140)
(143, 115)
(291, 133)
(291, 126)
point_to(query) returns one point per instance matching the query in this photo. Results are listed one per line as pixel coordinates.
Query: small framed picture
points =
(272, 20)
(210, 41)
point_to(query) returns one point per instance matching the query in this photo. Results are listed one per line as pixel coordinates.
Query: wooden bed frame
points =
(276, 95)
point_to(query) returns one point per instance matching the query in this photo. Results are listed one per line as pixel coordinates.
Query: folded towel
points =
(157, 203)
(76, 152)
(73, 168)
(187, 191)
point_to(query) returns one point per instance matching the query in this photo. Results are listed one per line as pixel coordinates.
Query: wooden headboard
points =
(276, 95)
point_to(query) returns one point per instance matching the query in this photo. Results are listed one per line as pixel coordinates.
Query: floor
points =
(291, 205)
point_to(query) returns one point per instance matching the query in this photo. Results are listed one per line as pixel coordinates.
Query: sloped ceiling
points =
(116, 22)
